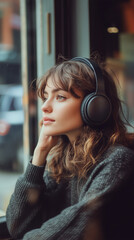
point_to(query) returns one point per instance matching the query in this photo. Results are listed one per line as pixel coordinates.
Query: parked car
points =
(11, 127)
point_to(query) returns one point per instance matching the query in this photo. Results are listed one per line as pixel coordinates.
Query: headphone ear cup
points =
(95, 109)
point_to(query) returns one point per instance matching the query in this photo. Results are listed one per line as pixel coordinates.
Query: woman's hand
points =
(44, 145)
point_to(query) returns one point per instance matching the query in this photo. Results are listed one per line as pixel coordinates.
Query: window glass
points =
(11, 92)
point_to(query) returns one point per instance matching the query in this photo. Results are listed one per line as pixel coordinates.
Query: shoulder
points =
(118, 152)
(110, 171)
(117, 159)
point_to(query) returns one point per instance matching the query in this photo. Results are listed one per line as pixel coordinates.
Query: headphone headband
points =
(100, 87)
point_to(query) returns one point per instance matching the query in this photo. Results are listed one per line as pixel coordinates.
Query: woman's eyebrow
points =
(55, 90)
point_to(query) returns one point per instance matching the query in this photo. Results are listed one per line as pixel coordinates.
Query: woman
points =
(85, 150)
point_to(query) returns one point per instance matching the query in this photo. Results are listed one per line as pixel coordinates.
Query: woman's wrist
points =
(39, 157)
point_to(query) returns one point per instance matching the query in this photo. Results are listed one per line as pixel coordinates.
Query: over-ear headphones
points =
(96, 107)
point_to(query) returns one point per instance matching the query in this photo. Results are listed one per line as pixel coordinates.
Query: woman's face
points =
(61, 112)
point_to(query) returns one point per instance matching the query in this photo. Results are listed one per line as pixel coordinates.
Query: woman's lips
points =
(48, 121)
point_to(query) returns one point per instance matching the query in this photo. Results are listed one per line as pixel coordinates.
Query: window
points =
(11, 110)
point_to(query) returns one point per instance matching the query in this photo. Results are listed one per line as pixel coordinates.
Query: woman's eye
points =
(60, 97)
(44, 99)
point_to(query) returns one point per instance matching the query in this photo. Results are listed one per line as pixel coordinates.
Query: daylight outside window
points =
(11, 92)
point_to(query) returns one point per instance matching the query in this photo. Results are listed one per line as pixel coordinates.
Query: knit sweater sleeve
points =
(36, 198)
(71, 221)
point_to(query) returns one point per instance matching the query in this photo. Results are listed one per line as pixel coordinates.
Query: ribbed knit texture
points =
(40, 209)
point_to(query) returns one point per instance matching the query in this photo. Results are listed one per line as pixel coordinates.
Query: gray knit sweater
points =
(40, 209)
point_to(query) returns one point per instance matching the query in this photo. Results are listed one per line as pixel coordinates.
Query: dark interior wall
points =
(104, 14)
(63, 12)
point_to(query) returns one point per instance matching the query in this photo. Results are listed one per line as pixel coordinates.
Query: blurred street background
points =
(7, 183)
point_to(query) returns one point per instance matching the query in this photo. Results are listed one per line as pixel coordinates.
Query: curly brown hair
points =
(67, 159)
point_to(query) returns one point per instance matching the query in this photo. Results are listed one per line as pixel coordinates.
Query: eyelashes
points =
(58, 97)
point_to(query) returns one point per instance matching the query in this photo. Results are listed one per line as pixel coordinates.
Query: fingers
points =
(46, 142)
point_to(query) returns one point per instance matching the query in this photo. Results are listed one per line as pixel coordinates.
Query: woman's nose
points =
(47, 106)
